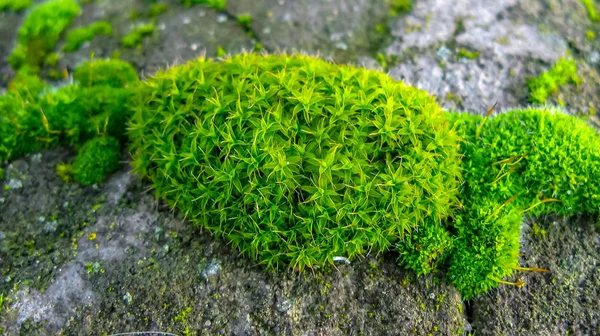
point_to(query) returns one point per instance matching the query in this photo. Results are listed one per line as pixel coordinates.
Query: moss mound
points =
(523, 161)
(96, 159)
(295, 160)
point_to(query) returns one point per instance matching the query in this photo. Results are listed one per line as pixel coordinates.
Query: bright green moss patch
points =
(591, 10)
(97, 159)
(40, 31)
(77, 37)
(135, 37)
(399, 6)
(14, 5)
(464, 53)
(547, 84)
(295, 160)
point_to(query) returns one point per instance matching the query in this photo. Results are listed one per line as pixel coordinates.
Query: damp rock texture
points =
(109, 258)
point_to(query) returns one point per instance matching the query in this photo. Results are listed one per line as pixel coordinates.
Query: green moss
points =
(464, 53)
(547, 84)
(590, 35)
(65, 171)
(245, 20)
(327, 169)
(591, 10)
(426, 249)
(33, 118)
(97, 159)
(157, 9)
(524, 161)
(40, 31)
(113, 73)
(221, 52)
(77, 37)
(215, 4)
(399, 6)
(14, 5)
(135, 37)
(537, 231)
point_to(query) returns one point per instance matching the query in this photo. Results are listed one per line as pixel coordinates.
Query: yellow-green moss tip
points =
(548, 83)
(590, 6)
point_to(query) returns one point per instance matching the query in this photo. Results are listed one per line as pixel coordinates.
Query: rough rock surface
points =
(109, 258)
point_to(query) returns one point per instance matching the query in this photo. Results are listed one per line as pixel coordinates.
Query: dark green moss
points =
(14, 5)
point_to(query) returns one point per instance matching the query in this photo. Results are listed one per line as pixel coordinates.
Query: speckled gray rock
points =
(564, 301)
(340, 30)
(121, 262)
(436, 29)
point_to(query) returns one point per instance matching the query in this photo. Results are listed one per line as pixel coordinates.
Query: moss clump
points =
(33, 118)
(295, 160)
(547, 84)
(40, 32)
(97, 159)
(399, 6)
(426, 249)
(14, 5)
(523, 161)
(77, 37)
(135, 37)
(486, 247)
(156, 10)
(591, 10)
(112, 73)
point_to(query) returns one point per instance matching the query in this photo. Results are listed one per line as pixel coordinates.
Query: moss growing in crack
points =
(135, 37)
(40, 31)
(97, 159)
(14, 5)
(77, 37)
(548, 83)
(295, 160)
